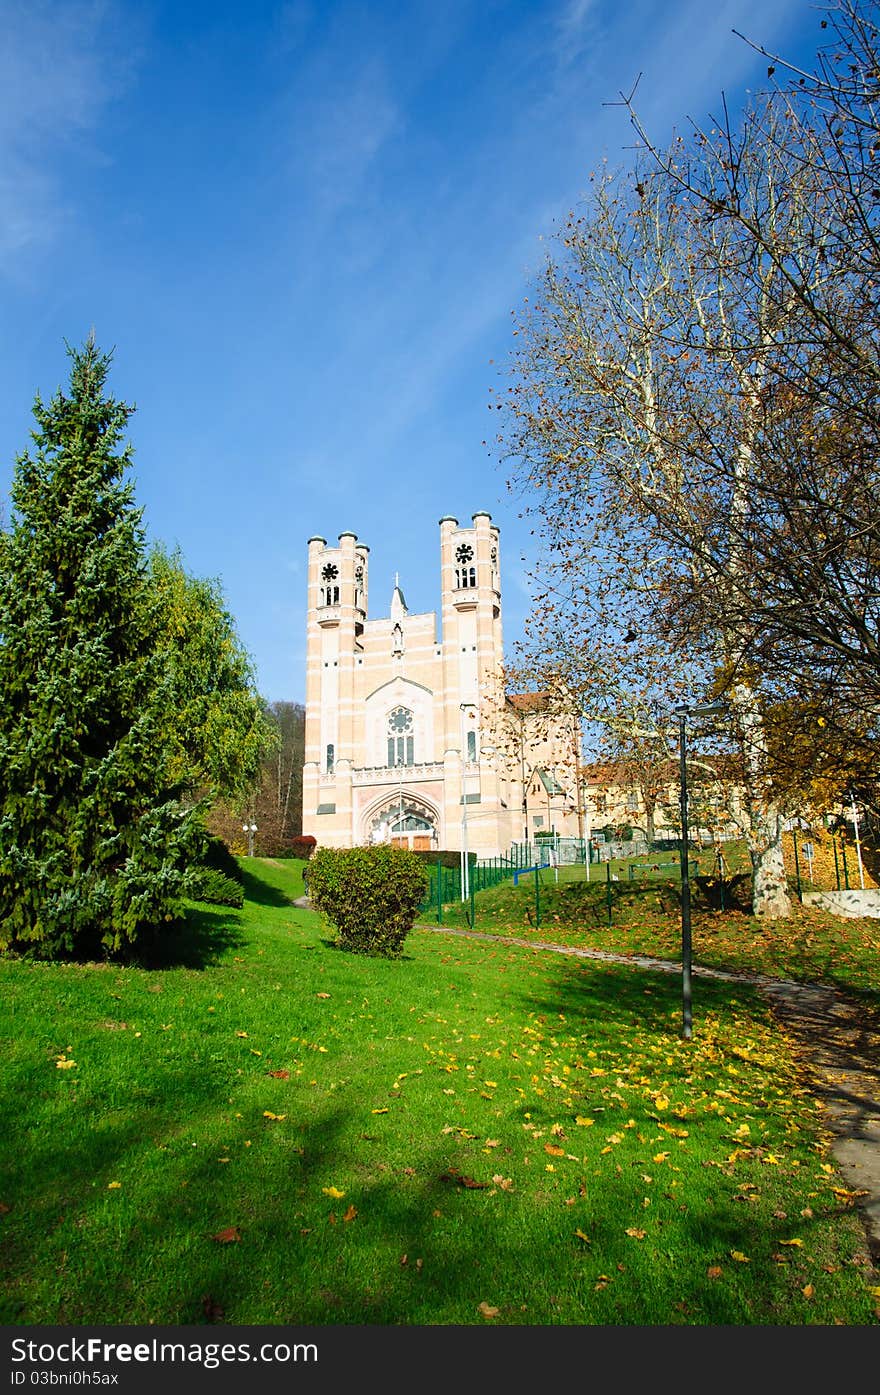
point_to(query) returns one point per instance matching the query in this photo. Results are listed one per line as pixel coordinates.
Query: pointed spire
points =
(398, 603)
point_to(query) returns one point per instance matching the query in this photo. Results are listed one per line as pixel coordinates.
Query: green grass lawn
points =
(643, 917)
(271, 1131)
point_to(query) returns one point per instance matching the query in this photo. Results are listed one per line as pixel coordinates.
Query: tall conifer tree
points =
(94, 841)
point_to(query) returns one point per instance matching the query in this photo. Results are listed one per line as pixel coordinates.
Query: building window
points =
(331, 757)
(632, 801)
(330, 591)
(472, 745)
(401, 744)
(465, 571)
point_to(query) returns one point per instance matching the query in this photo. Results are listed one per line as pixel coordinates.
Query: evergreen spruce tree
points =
(95, 843)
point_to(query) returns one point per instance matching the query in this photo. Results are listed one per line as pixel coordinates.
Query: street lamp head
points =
(702, 709)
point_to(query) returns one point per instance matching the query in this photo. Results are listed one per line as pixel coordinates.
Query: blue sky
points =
(303, 227)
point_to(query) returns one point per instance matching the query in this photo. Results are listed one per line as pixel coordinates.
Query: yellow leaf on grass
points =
(554, 1152)
(808, 1291)
(64, 1064)
(660, 1157)
(379, 1111)
(714, 1271)
(661, 1102)
(111, 1185)
(350, 1213)
(581, 1236)
(488, 1311)
(635, 1232)
(584, 1122)
(333, 1192)
(267, 1114)
(799, 1243)
(740, 1257)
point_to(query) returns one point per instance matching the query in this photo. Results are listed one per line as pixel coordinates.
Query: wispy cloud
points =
(60, 66)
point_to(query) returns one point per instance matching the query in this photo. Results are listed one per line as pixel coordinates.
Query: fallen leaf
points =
(279, 1074)
(212, 1309)
(379, 1111)
(799, 1243)
(333, 1192)
(808, 1290)
(554, 1152)
(488, 1311)
(454, 1176)
(322, 995)
(740, 1257)
(635, 1232)
(352, 1210)
(714, 1271)
(267, 1114)
(227, 1236)
(582, 1236)
(111, 1185)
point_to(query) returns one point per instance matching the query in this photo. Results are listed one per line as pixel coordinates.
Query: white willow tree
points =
(644, 396)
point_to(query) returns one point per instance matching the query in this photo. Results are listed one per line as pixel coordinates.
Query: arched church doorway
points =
(406, 822)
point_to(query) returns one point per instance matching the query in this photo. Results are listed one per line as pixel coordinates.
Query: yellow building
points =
(407, 727)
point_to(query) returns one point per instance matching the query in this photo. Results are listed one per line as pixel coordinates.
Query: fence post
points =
(537, 897)
(608, 888)
(439, 891)
(845, 869)
(471, 907)
(836, 866)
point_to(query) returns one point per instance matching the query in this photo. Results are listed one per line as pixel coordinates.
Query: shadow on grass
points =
(260, 893)
(200, 939)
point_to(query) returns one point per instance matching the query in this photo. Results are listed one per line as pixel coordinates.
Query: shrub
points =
(370, 895)
(303, 846)
(218, 889)
(218, 857)
(433, 856)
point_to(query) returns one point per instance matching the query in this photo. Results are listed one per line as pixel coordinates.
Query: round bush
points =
(370, 895)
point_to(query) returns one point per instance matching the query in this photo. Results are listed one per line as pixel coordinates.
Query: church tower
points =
(395, 709)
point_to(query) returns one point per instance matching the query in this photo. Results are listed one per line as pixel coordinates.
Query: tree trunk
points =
(770, 896)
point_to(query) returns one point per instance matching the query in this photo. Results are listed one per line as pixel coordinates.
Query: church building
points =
(409, 737)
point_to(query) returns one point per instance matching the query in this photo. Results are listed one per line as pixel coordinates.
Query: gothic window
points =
(465, 571)
(472, 745)
(331, 757)
(330, 591)
(401, 744)
(397, 640)
(358, 585)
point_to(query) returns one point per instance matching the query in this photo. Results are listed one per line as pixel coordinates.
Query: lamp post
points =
(465, 865)
(250, 829)
(705, 709)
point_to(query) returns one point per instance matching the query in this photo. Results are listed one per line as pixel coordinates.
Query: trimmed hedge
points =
(444, 858)
(370, 895)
